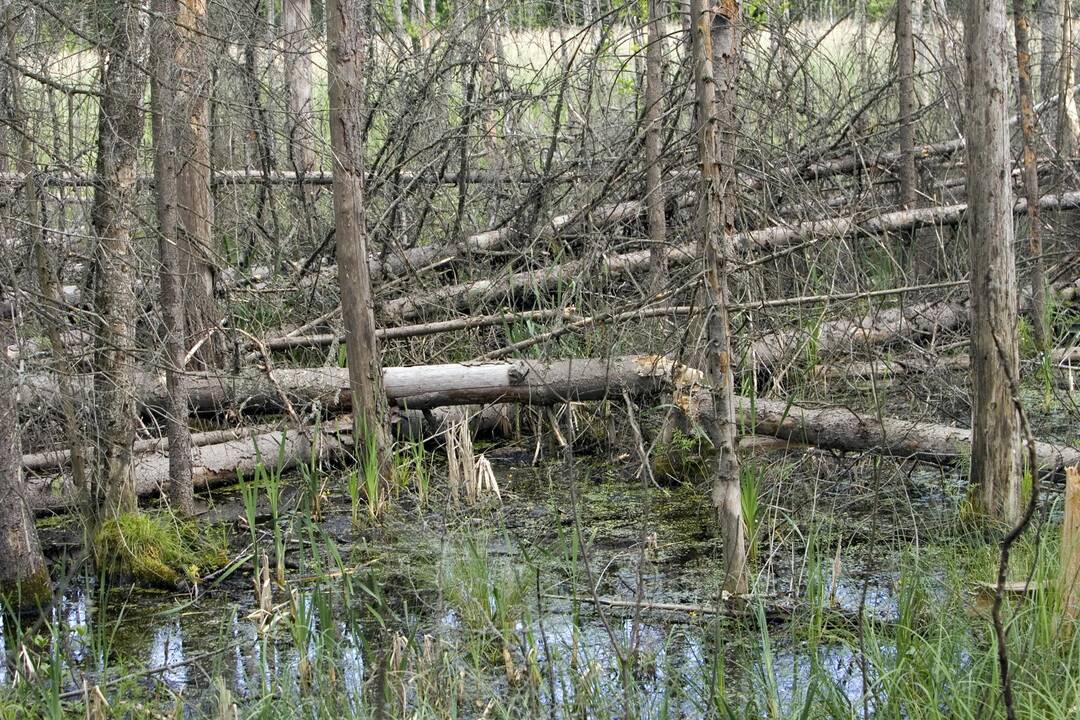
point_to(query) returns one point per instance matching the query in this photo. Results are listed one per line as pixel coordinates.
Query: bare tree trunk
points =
(120, 130)
(180, 491)
(296, 28)
(345, 41)
(905, 57)
(1068, 119)
(1030, 172)
(654, 191)
(195, 211)
(1050, 13)
(19, 122)
(995, 454)
(716, 55)
(399, 20)
(24, 579)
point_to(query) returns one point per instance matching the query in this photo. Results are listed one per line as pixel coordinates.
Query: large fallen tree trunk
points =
(417, 388)
(413, 389)
(842, 429)
(545, 280)
(211, 465)
(915, 321)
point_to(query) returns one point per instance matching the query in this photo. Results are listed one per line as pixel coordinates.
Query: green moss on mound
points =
(157, 549)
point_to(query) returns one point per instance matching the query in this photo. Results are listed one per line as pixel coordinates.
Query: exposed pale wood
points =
(716, 49)
(419, 387)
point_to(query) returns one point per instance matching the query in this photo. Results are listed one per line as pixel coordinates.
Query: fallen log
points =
(421, 329)
(436, 387)
(542, 281)
(842, 429)
(211, 465)
(882, 327)
(417, 388)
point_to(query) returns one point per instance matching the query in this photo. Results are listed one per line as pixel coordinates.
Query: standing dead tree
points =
(345, 39)
(716, 61)
(995, 455)
(166, 141)
(120, 131)
(24, 579)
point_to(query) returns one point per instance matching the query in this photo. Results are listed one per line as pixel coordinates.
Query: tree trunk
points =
(716, 56)
(654, 168)
(1068, 117)
(24, 579)
(162, 89)
(19, 122)
(300, 126)
(905, 56)
(1050, 13)
(837, 428)
(995, 453)
(120, 131)
(1030, 173)
(195, 211)
(345, 40)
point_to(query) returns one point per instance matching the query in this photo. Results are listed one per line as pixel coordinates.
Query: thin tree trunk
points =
(120, 131)
(1050, 13)
(300, 128)
(61, 361)
(180, 491)
(195, 211)
(905, 55)
(1030, 172)
(716, 55)
(995, 455)
(345, 40)
(654, 191)
(24, 579)
(399, 20)
(1068, 118)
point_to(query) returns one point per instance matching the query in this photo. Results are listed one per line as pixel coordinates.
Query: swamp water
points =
(486, 611)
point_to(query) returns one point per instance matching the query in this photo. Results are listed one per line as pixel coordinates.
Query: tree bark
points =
(195, 210)
(1050, 13)
(345, 39)
(19, 122)
(654, 168)
(1030, 172)
(180, 491)
(300, 126)
(120, 131)
(905, 56)
(716, 60)
(24, 578)
(995, 454)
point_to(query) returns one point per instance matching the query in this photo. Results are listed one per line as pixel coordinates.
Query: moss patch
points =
(28, 595)
(157, 549)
